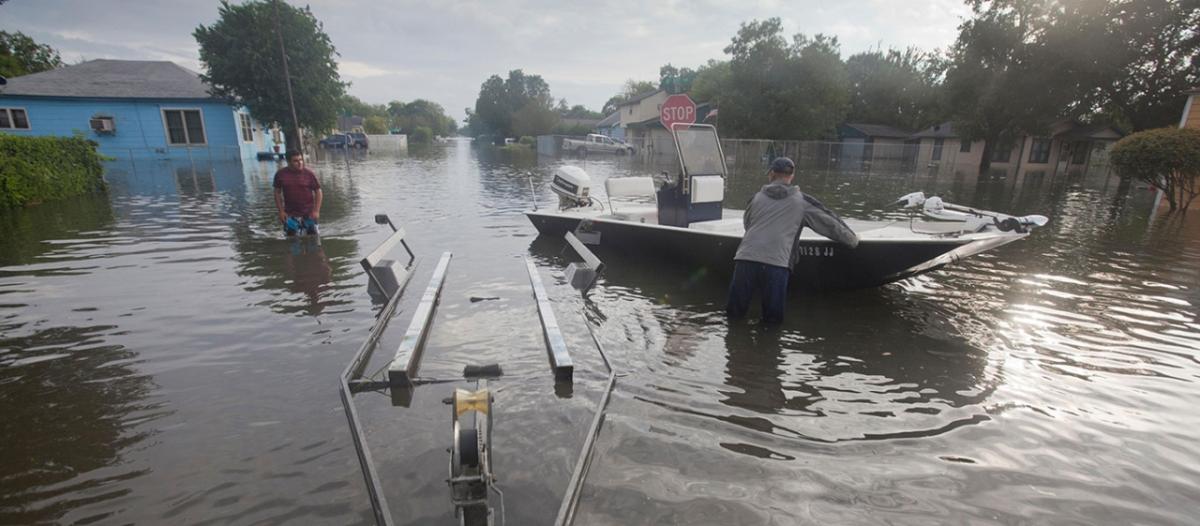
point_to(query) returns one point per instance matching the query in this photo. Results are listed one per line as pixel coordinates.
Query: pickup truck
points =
(596, 144)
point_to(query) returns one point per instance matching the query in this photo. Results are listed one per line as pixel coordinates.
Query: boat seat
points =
(632, 196)
(637, 214)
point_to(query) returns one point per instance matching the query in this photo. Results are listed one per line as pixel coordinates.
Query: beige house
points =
(639, 118)
(1191, 111)
(1068, 145)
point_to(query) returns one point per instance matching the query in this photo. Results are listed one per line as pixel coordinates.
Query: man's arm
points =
(279, 204)
(828, 224)
(317, 197)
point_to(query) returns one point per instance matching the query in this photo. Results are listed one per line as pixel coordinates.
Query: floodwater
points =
(165, 357)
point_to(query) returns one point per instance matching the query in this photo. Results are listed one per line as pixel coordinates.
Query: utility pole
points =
(288, 79)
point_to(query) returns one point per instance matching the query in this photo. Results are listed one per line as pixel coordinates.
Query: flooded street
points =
(166, 357)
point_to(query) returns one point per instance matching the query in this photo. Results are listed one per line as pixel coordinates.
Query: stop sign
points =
(677, 108)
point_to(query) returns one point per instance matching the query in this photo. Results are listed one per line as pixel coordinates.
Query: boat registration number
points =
(814, 251)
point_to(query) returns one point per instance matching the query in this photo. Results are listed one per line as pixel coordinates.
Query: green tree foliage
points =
(578, 111)
(518, 105)
(898, 88)
(21, 55)
(1168, 158)
(1018, 65)
(421, 113)
(242, 62)
(779, 90)
(376, 125)
(36, 169)
(1145, 54)
(676, 80)
(421, 135)
(349, 105)
(631, 89)
(712, 81)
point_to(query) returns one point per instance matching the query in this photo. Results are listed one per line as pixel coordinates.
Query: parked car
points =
(596, 143)
(360, 140)
(337, 140)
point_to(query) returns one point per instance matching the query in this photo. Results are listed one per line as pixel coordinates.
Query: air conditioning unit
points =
(103, 125)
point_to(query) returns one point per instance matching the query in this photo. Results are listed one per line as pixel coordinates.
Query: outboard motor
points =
(573, 187)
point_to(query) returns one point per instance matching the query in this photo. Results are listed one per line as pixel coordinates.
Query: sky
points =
(443, 50)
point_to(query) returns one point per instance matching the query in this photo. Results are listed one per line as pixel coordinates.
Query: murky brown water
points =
(166, 358)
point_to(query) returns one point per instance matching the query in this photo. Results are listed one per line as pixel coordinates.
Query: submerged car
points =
(337, 140)
(359, 140)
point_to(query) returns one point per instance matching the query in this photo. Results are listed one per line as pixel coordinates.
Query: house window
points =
(964, 146)
(1002, 152)
(247, 128)
(1039, 153)
(13, 119)
(184, 127)
(937, 149)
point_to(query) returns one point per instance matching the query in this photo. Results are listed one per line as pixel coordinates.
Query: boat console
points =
(697, 193)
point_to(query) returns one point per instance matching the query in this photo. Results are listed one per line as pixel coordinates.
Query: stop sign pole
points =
(677, 109)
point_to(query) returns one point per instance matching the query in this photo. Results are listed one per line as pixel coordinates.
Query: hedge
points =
(36, 169)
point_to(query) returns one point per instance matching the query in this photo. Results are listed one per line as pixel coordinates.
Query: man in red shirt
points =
(297, 197)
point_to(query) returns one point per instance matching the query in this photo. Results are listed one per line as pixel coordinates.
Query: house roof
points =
(937, 131)
(119, 79)
(640, 97)
(879, 130)
(609, 121)
(1093, 131)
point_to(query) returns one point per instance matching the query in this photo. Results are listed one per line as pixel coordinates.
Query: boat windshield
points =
(699, 150)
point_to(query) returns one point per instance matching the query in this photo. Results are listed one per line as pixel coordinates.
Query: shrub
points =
(528, 140)
(421, 134)
(1168, 158)
(36, 169)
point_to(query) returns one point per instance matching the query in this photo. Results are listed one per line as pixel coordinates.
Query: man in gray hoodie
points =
(774, 219)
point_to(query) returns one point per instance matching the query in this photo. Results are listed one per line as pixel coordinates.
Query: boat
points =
(683, 219)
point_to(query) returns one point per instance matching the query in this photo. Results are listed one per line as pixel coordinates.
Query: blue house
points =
(134, 109)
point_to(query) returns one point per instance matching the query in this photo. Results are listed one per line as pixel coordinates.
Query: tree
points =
(631, 89)
(1168, 158)
(712, 82)
(500, 100)
(421, 113)
(1001, 82)
(1018, 65)
(898, 88)
(21, 55)
(1148, 56)
(777, 90)
(578, 111)
(676, 80)
(242, 61)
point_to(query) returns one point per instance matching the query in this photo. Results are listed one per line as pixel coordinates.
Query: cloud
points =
(361, 70)
(443, 51)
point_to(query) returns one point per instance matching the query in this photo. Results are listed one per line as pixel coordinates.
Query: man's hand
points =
(315, 215)
(282, 217)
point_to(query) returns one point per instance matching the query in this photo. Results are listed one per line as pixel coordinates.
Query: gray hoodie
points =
(774, 219)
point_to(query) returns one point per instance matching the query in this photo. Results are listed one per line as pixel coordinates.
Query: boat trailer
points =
(471, 479)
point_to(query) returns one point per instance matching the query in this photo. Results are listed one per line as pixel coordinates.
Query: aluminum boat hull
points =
(822, 264)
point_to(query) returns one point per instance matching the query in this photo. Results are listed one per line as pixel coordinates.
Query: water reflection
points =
(72, 403)
(1052, 379)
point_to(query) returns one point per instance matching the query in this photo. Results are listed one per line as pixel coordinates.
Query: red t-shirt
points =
(298, 187)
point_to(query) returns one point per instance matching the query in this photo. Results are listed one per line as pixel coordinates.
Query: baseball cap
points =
(783, 165)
